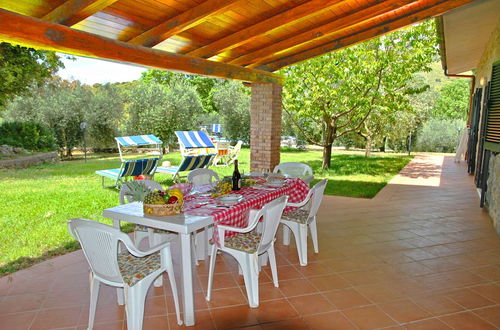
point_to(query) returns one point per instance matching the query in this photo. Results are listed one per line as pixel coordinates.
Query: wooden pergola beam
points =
(73, 11)
(182, 22)
(33, 32)
(277, 21)
(380, 29)
(356, 16)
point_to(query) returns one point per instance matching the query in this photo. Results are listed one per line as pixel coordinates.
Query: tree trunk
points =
(384, 142)
(368, 146)
(327, 147)
(327, 156)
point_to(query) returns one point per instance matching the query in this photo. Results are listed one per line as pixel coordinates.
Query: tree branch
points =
(301, 129)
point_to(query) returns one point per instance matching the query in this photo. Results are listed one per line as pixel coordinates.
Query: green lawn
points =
(38, 201)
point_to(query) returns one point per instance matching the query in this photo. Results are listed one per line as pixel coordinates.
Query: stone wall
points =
(490, 56)
(21, 162)
(265, 127)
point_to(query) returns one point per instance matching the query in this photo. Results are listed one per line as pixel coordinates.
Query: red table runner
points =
(236, 215)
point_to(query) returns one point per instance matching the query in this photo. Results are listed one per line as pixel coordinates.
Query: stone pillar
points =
(265, 127)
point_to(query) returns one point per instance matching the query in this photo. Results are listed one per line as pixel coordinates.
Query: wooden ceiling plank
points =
(37, 33)
(436, 9)
(355, 16)
(73, 11)
(182, 22)
(277, 21)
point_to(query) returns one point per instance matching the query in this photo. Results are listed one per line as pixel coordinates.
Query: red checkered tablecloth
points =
(237, 214)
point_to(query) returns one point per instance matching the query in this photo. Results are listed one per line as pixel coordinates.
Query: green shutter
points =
(492, 136)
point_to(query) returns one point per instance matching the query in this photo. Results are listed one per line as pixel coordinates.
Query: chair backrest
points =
(317, 196)
(201, 176)
(139, 167)
(293, 169)
(100, 246)
(271, 213)
(216, 128)
(125, 197)
(192, 162)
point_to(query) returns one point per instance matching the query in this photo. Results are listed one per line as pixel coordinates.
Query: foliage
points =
(233, 103)
(59, 105)
(453, 100)
(156, 109)
(27, 135)
(440, 135)
(332, 95)
(38, 201)
(21, 67)
(203, 85)
(104, 116)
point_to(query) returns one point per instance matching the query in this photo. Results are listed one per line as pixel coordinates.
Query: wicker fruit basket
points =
(162, 209)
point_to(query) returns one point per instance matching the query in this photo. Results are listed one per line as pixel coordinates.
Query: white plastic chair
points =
(304, 216)
(155, 236)
(201, 176)
(295, 170)
(100, 244)
(248, 245)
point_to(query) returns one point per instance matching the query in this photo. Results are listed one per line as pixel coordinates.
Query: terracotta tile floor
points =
(420, 255)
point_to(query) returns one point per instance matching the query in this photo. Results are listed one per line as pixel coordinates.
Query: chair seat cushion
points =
(246, 242)
(134, 269)
(299, 215)
(158, 231)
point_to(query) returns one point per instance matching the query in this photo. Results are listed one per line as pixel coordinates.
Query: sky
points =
(90, 71)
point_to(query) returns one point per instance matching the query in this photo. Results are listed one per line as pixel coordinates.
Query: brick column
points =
(265, 127)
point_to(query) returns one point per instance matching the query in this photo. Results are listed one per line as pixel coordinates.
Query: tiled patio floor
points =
(420, 255)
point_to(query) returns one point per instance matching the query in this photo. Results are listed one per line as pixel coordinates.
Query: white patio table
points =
(184, 225)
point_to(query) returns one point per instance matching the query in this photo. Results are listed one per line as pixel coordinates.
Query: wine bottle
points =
(236, 177)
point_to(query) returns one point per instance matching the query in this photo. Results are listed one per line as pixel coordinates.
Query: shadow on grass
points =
(355, 189)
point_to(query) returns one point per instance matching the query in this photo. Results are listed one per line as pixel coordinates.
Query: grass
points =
(38, 201)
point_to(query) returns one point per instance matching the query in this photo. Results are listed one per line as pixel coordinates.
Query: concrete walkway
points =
(420, 255)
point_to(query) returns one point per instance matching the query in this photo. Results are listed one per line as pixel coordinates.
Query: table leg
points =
(187, 280)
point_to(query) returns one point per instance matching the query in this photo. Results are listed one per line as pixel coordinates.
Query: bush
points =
(440, 135)
(28, 135)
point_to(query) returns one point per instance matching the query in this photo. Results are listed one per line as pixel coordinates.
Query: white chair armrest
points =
(253, 220)
(141, 253)
(303, 202)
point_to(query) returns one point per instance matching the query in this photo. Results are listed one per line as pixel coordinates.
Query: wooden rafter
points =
(32, 32)
(439, 8)
(73, 11)
(182, 22)
(356, 16)
(248, 34)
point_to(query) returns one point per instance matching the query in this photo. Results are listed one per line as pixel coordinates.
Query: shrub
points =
(28, 135)
(440, 135)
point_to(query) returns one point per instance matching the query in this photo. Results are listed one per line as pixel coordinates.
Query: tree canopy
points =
(20, 67)
(334, 94)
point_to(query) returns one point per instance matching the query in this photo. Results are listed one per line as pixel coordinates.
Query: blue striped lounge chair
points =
(131, 168)
(197, 150)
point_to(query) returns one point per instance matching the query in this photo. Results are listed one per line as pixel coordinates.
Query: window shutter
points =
(492, 136)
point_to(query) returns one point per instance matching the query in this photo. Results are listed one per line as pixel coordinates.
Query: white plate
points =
(274, 183)
(231, 198)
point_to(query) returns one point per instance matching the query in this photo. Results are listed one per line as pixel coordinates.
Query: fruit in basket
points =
(154, 197)
(176, 192)
(137, 191)
(172, 200)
